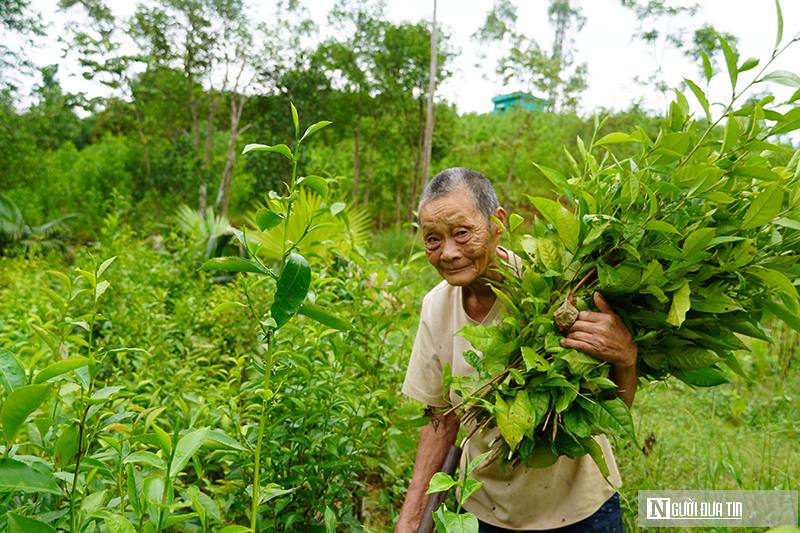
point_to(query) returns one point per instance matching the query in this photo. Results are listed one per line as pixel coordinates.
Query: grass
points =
(738, 436)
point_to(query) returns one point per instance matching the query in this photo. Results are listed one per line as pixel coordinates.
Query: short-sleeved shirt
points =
(526, 498)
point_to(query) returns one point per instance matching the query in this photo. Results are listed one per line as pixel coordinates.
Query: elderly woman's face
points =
(459, 242)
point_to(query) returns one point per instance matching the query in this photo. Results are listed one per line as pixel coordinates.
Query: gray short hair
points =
(447, 181)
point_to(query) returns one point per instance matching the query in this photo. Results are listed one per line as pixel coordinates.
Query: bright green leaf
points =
(15, 476)
(233, 264)
(317, 183)
(281, 149)
(266, 219)
(291, 289)
(22, 524)
(12, 374)
(315, 128)
(62, 367)
(765, 207)
(681, 303)
(19, 404)
(186, 448)
(325, 317)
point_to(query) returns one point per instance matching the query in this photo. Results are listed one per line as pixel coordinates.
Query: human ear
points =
(500, 215)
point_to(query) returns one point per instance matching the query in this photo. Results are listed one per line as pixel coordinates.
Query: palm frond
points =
(348, 228)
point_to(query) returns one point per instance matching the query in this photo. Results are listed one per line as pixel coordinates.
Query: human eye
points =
(431, 242)
(461, 235)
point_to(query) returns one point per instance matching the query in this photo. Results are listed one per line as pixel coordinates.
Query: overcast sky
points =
(605, 44)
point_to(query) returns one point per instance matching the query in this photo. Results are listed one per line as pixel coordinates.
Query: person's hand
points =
(602, 335)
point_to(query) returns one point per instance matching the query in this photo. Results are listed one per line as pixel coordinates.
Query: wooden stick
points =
(449, 468)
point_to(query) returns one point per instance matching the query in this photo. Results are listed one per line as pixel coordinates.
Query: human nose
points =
(450, 250)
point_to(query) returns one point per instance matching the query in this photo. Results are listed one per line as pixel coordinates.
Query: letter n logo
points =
(657, 508)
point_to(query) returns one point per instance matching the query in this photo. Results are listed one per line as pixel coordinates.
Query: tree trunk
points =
(426, 153)
(224, 192)
(213, 104)
(356, 170)
(368, 185)
(417, 160)
(398, 195)
(143, 139)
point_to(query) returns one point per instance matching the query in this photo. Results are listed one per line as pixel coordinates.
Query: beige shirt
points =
(535, 498)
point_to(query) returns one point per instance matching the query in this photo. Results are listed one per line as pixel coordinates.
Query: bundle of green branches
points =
(693, 241)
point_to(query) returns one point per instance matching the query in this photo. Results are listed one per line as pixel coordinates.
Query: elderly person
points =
(462, 243)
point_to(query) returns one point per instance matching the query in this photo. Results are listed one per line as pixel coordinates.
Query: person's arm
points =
(603, 335)
(431, 452)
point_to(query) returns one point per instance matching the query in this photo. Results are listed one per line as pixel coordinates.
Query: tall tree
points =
(359, 24)
(426, 157)
(526, 63)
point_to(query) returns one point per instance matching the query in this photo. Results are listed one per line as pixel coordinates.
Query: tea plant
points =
(693, 241)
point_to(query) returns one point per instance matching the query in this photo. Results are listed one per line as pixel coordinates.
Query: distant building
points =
(528, 102)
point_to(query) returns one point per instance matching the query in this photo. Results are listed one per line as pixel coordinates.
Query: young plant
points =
(446, 520)
(293, 279)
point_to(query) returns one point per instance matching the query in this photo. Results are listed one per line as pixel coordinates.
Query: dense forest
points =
(146, 382)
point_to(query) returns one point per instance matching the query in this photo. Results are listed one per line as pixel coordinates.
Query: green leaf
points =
(765, 207)
(19, 404)
(224, 306)
(514, 419)
(681, 303)
(700, 95)
(730, 60)
(105, 265)
(12, 375)
(22, 524)
(783, 77)
(596, 453)
(235, 529)
(568, 228)
(690, 357)
(660, 225)
(15, 476)
(705, 377)
(326, 318)
(547, 207)
(533, 360)
(557, 179)
(62, 367)
(707, 70)
(576, 423)
(317, 183)
(697, 241)
(514, 221)
(186, 448)
(233, 264)
(119, 524)
(330, 520)
(617, 137)
(266, 219)
(780, 24)
(482, 338)
(732, 131)
(614, 418)
(315, 128)
(295, 120)
(337, 208)
(203, 503)
(776, 279)
(455, 523)
(750, 64)
(291, 289)
(281, 149)
(440, 482)
(475, 463)
(780, 311)
(579, 362)
(66, 446)
(148, 458)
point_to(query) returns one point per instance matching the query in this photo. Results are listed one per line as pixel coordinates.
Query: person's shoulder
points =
(440, 294)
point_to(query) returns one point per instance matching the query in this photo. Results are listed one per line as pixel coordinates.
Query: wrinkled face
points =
(459, 242)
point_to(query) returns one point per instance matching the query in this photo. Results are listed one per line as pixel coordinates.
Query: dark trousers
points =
(607, 519)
